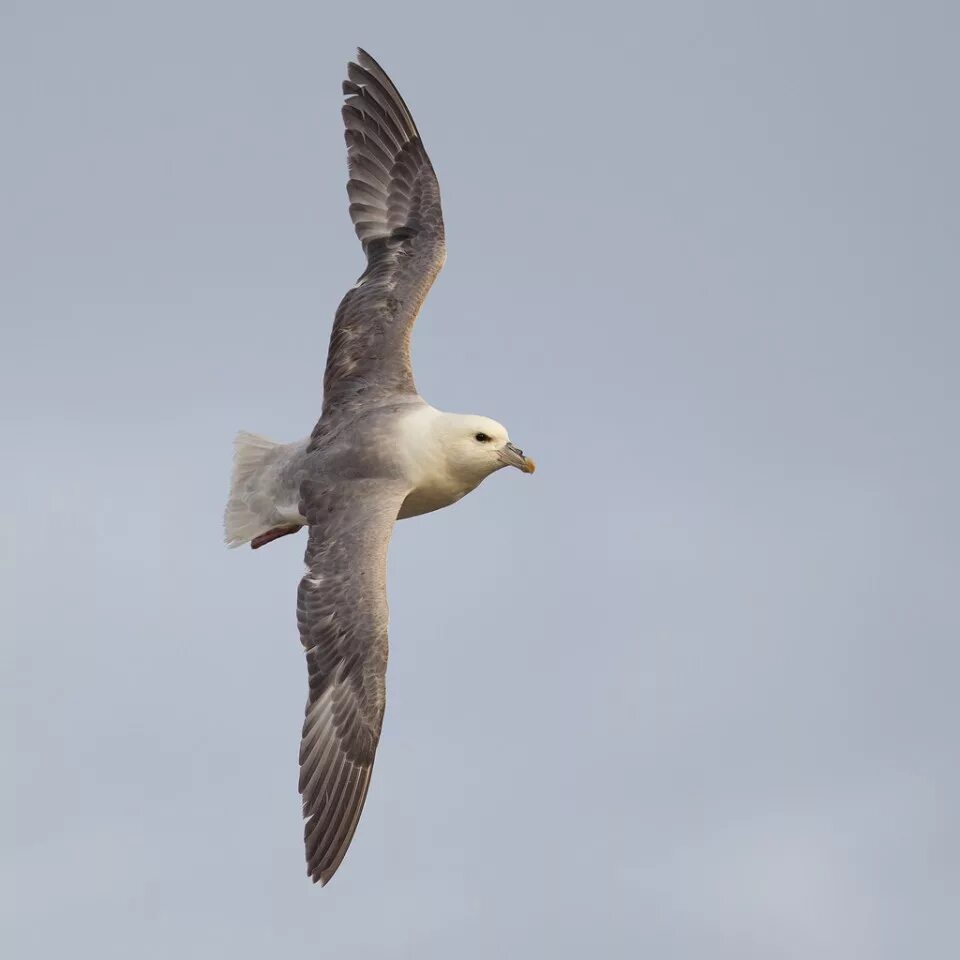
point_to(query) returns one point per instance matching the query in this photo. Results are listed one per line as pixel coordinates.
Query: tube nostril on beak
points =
(513, 456)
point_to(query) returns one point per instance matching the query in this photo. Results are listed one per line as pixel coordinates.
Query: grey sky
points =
(689, 691)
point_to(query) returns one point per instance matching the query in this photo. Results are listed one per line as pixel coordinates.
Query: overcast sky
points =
(691, 690)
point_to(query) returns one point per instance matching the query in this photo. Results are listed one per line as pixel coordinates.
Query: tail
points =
(242, 520)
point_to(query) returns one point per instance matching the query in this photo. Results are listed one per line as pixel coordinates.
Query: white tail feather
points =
(242, 520)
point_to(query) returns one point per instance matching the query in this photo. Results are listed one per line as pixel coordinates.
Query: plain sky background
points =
(690, 691)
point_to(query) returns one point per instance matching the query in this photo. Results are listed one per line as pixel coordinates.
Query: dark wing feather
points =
(342, 615)
(395, 207)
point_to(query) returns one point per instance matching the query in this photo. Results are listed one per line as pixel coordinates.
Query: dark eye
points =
(482, 437)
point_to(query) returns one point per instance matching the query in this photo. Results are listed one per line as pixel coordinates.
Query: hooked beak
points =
(512, 456)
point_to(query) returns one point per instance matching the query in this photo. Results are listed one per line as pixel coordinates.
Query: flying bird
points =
(378, 453)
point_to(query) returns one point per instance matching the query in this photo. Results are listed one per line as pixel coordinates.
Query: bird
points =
(378, 453)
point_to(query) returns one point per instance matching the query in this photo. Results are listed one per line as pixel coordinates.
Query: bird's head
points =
(477, 446)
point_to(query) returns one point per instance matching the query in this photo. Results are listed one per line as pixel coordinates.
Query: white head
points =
(474, 447)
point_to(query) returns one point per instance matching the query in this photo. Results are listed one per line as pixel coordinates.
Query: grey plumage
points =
(342, 615)
(395, 207)
(377, 453)
(342, 607)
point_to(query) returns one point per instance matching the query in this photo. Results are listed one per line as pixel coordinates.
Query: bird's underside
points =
(378, 452)
(279, 488)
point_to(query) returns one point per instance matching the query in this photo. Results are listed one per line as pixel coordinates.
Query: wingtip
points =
(321, 877)
(366, 61)
(361, 56)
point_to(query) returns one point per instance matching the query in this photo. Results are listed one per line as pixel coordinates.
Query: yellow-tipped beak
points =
(512, 456)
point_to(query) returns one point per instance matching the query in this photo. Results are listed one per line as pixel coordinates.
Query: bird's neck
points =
(435, 480)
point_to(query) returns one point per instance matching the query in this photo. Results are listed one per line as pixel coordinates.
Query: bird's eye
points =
(481, 437)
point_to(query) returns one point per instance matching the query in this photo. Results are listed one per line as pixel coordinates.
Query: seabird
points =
(378, 453)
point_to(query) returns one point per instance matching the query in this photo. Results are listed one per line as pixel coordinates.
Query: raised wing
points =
(342, 615)
(395, 207)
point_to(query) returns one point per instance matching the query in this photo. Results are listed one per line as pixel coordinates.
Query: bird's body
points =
(268, 475)
(378, 453)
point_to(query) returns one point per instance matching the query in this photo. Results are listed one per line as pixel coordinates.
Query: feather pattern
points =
(342, 605)
(395, 208)
(342, 615)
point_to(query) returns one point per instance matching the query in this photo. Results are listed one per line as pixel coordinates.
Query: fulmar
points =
(378, 453)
